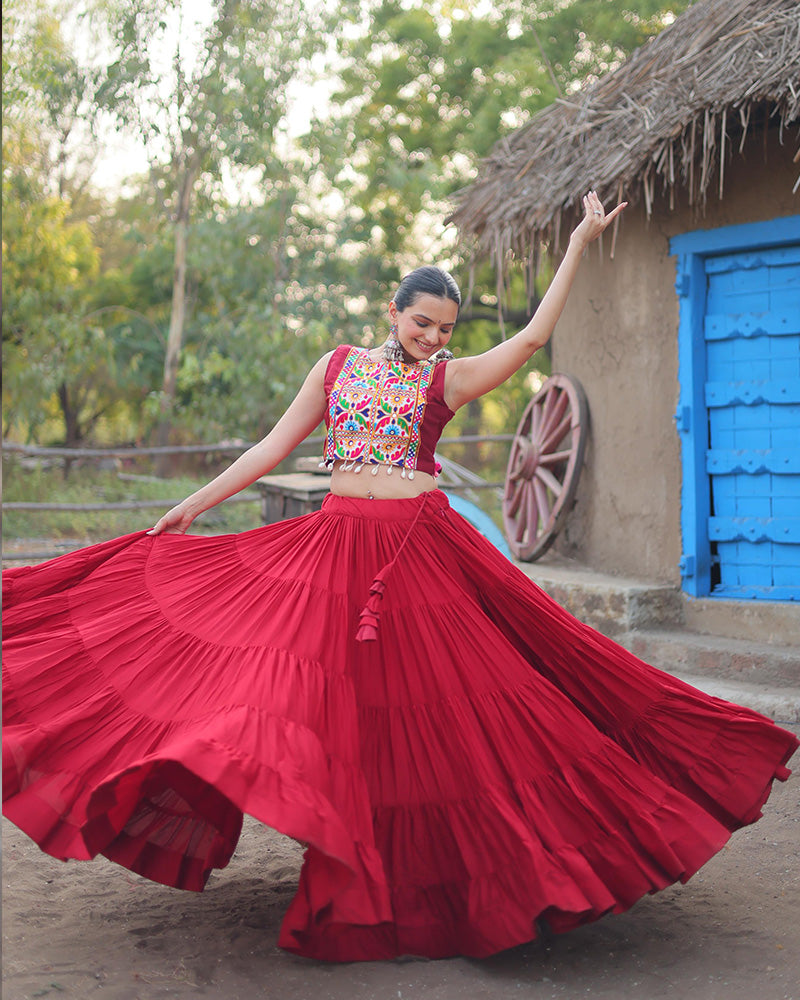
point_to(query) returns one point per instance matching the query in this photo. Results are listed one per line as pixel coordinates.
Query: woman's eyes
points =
(422, 326)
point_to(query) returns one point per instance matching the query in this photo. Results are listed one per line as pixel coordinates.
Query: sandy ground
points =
(82, 930)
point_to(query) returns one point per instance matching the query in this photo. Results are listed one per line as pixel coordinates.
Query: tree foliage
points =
(202, 109)
(427, 89)
(256, 248)
(57, 363)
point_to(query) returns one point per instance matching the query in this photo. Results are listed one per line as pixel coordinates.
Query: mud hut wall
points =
(619, 336)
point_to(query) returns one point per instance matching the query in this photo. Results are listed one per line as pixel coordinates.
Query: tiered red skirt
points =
(486, 762)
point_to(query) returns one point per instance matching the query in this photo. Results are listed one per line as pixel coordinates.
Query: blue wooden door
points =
(752, 395)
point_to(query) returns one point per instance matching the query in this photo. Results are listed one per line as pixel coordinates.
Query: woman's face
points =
(425, 326)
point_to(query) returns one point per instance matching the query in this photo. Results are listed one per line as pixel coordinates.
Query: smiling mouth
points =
(425, 347)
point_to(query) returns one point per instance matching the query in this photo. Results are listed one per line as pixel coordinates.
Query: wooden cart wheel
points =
(544, 465)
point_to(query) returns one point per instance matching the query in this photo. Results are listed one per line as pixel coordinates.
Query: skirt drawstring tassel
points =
(369, 618)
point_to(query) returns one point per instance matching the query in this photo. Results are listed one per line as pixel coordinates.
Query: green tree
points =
(427, 89)
(58, 358)
(204, 113)
(270, 292)
(73, 351)
(58, 361)
(49, 91)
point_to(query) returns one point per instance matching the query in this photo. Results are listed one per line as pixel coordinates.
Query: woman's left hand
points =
(595, 219)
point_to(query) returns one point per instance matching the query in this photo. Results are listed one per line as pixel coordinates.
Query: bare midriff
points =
(387, 483)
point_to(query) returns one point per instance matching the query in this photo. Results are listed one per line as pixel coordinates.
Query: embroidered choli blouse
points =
(382, 412)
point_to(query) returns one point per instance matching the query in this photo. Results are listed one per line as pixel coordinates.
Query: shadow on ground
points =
(93, 929)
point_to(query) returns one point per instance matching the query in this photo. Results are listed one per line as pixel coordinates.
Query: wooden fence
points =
(69, 455)
(222, 447)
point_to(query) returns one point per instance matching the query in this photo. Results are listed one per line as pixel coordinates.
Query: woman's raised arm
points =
(301, 417)
(468, 378)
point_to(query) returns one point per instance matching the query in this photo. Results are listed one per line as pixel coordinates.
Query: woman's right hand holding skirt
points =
(174, 522)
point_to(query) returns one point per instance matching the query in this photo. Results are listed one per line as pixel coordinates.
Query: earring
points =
(443, 355)
(392, 351)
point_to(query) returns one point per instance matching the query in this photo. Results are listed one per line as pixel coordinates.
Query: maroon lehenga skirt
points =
(462, 756)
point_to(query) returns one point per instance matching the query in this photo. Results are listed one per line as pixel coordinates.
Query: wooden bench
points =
(291, 494)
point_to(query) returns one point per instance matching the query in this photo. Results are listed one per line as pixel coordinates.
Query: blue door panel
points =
(739, 409)
(783, 302)
(785, 491)
(784, 278)
(752, 260)
(784, 355)
(752, 392)
(759, 321)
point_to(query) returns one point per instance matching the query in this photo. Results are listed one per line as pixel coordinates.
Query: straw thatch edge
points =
(671, 117)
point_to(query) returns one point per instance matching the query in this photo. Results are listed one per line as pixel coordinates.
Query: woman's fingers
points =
(615, 212)
(166, 529)
(596, 214)
(597, 207)
(174, 522)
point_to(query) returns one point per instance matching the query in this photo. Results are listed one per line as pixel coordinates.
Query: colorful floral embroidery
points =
(375, 411)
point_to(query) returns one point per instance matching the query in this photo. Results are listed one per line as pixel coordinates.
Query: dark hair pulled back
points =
(426, 280)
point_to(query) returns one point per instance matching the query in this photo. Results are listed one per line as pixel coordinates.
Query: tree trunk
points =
(73, 435)
(177, 317)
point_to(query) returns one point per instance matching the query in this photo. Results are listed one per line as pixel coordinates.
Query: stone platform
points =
(747, 652)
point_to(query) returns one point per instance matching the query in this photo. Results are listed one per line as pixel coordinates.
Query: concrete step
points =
(774, 622)
(735, 660)
(759, 676)
(745, 652)
(782, 704)
(613, 605)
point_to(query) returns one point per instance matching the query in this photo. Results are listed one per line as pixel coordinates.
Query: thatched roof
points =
(669, 117)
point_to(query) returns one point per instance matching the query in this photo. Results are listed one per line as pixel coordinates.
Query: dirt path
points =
(93, 930)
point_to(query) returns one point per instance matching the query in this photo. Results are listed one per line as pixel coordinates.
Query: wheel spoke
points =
(545, 416)
(536, 414)
(554, 457)
(541, 502)
(521, 523)
(554, 437)
(532, 514)
(513, 502)
(549, 480)
(556, 412)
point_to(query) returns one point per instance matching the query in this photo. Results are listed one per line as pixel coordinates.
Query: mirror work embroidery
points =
(375, 411)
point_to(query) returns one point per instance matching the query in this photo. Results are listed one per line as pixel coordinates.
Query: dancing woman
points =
(465, 760)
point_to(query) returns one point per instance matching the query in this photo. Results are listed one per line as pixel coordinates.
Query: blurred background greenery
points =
(200, 197)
